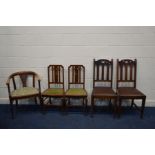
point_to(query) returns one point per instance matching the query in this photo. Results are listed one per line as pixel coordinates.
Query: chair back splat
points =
(103, 72)
(126, 72)
(76, 75)
(55, 75)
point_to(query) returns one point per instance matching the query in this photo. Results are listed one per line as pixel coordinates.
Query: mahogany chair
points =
(76, 84)
(22, 85)
(102, 83)
(55, 84)
(126, 84)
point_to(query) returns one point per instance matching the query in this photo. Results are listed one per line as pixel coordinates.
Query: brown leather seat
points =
(129, 92)
(103, 92)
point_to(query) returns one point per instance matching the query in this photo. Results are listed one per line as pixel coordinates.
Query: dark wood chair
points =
(76, 84)
(126, 84)
(55, 84)
(22, 85)
(102, 83)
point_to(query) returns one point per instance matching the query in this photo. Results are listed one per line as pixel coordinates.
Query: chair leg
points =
(115, 107)
(42, 106)
(63, 104)
(50, 100)
(86, 104)
(132, 103)
(109, 104)
(11, 108)
(119, 107)
(16, 103)
(142, 108)
(35, 99)
(69, 102)
(92, 106)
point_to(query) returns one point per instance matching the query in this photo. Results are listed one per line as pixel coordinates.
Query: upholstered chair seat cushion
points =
(76, 92)
(25, 91)
(53, 92)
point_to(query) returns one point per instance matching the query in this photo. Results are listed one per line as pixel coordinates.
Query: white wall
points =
(34, 48)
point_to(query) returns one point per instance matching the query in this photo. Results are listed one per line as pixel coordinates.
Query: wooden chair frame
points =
(103, 72)
(76, 76)
(23, 76)
(127, 73)
(55, 77)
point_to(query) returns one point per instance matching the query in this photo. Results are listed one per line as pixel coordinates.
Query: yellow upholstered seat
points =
(76, 92)
(53, 92)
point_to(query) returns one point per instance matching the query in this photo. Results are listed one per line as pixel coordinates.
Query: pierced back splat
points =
(23, 78)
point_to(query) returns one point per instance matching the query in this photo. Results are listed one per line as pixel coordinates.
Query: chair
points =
(24, 86)
(76, 84)
(102, 83)
(55, 84)
(126, 84)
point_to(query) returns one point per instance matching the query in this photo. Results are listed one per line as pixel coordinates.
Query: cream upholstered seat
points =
(25, 91)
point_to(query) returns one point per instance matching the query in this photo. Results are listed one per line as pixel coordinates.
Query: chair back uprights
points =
(103, 72)
(126, 72)
(76, 76)
(55, 76)
(27, 78)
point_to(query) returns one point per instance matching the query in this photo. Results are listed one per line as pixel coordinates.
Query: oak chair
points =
(126, 84)
(55, 84)
(22, 85)
(102, 83)
(76, 84)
